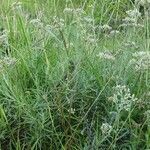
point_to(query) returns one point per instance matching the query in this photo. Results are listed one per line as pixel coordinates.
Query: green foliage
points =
(73, 76)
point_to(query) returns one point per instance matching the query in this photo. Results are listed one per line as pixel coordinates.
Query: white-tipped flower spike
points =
(122, 98)
(106, 128)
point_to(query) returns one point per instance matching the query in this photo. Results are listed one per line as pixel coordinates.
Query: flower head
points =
(105, 28)
(36, 23)
(106, 128)
(122, 98)
(106, 55)
(141, 60)
(17, 6)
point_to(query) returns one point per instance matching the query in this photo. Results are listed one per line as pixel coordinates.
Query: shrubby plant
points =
(74, 75)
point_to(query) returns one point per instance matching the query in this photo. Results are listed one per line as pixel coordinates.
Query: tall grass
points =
(74, 75)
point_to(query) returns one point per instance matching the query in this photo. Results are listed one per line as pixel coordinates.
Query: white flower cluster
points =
(17, 6)
(76, 11)
(37, 23)
(90, 39)
(131, 44)
(106, 55)
(4, 38)
(132, 18)
(142, 2)
(72, 111)
(105, 28)
(106, 128)
(114, 33)
(141, 60)
(43, 30)
(122, 98)
(87, 26)
(133, 13)
(57, 23)
(7, 62)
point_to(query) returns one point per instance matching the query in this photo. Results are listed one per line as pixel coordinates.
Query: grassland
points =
(74, 75)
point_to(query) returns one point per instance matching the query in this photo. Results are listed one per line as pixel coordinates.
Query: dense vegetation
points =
(75, 74)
